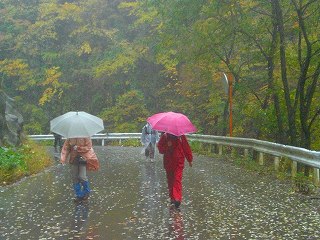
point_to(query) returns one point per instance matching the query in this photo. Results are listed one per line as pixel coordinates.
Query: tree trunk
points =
(291, 112)
(280, 137)
(306, 91)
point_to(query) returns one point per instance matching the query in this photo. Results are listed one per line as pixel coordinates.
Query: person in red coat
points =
(175, 150)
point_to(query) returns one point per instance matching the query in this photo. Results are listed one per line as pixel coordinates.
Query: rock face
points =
(11, 122)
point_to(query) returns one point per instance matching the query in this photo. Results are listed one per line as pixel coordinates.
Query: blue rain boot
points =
(78, 191)
(86, 190)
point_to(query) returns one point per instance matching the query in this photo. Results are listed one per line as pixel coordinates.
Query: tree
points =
(128, 114)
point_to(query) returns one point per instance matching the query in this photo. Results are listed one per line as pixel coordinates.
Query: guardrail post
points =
(261, 160)
(246, 152)
(102, 142)
(209, 148)
(316, 177)
(276, 163)
(294, 166)
(213, 148)
(220, 149)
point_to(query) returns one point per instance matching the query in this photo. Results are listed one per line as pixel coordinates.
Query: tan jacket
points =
(84, 148)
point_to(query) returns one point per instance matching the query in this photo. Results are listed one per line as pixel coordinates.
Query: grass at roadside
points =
(19, 162)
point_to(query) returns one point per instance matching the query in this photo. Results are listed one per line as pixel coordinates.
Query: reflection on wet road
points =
(129, 201)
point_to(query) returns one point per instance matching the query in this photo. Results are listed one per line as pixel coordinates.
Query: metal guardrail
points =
(307, 157)
(99, 136)
(302, 155)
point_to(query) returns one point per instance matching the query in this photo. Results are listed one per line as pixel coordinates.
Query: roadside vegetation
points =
(19, 162)
(300, 183)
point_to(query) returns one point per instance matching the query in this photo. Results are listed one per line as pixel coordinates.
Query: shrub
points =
(12, 165)
(16, 163)
(303, 184)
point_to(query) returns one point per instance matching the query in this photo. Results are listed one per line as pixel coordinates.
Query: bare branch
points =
(256, 41)
(314, 118)
(260, 11)
(304, 7)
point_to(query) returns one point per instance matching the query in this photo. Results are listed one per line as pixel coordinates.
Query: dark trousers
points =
(149, 151)
(58, 142)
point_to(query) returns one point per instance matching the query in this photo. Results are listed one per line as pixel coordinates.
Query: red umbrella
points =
(172, 122)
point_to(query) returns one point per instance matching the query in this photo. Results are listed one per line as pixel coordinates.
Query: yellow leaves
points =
(136, 9)
(46, 96)
(127, 5)
(47, 9)
(14, 67)
(44, 30)
(84, 49)
(59, 11)
(204, 26)
(16, 70)
(249, 4)
(296, 25)
(132, 4)
(146, 17)
(69, 11)
(52, 77)
(123, 60)
(53, 85)
(168, 61)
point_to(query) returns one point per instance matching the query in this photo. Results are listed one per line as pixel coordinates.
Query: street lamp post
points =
(228, 80)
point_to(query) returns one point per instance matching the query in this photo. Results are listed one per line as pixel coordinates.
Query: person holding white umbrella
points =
(77, 127)
(81, 158)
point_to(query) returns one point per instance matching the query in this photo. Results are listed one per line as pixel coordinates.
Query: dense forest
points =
(125, 60)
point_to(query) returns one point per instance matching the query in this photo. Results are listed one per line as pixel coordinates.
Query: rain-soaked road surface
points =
(129, 201)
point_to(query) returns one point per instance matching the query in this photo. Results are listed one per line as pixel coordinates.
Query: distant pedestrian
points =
(149, 138)
(175, 150)
(57, 142)
(82, 158)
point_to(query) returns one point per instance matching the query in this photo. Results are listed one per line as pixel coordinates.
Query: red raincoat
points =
(173, 161)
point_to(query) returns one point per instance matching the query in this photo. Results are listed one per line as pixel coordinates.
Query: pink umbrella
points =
(171, 122)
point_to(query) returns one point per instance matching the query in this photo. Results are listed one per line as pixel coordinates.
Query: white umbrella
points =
(76, 124)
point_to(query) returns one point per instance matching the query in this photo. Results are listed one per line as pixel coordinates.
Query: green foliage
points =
(37, 119)
(201, 148)
(35, 156)
(252, 165)
(33, 128)
(128, 115)
(303, 184)
(122, 60)
(91, 54)
(16, 163)
(11, 160)
(126, 143)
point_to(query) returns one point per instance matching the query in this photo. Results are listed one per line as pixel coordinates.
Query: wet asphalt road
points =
(129, 201)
